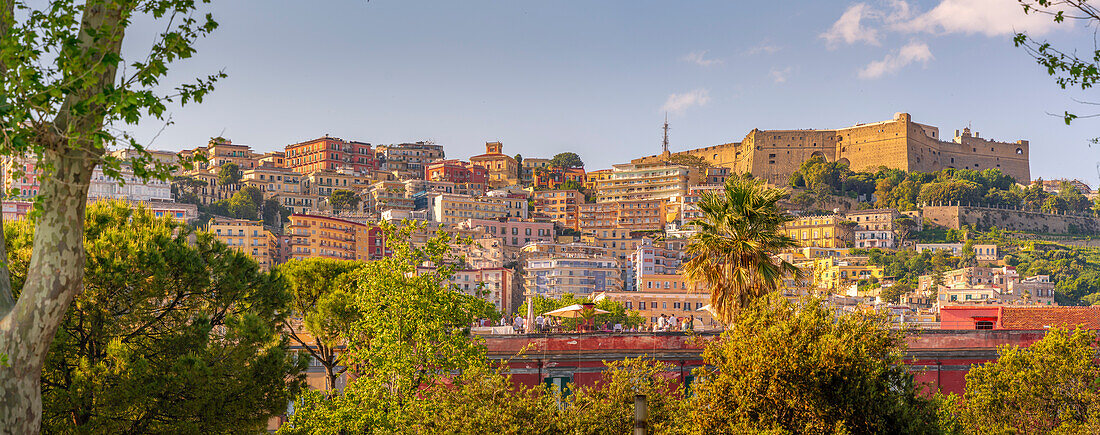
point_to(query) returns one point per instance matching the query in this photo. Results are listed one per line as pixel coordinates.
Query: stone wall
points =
(983, 218)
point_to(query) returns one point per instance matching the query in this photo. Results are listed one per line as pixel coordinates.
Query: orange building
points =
(560, 206)
(635, 215)
(503, 169)
(329, 154)
(322, 236)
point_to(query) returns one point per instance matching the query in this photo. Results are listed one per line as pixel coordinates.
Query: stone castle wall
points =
(983, 218)
(898, 143)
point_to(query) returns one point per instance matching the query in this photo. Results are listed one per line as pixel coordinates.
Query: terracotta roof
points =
(1044, 317)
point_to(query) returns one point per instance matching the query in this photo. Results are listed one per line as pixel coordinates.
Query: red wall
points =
(938, 358)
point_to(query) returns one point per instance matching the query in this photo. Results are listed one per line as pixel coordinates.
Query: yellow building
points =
(322, 236)
(831, 274)
(503, 169)
(246, 236)
(593, 179)
(820, 231)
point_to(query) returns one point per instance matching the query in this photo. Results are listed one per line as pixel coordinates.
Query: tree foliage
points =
(229, 173)
(787, 368)
(343, 200)
(738, 232)
(567, 160)
(411, 330)
(1048, 387)
(174, 332)
(67, 90)
(324, 309)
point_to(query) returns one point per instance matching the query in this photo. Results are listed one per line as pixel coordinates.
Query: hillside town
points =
(548, 226)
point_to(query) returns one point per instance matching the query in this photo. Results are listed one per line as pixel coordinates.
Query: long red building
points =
(329, 154)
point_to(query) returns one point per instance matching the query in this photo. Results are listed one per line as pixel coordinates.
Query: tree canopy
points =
(229, 173)
(1048, 387)
(174, 332)
(343, 200)
(801, 368)
(567, 160)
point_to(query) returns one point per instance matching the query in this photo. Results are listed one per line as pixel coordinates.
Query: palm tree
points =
(731, 252)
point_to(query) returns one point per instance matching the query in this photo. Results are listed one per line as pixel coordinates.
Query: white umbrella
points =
(573, 311)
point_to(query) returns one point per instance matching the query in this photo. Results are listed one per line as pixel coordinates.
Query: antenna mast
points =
(665, 142)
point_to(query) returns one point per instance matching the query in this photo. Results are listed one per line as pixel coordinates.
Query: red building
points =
(329, 154)
(552, 177)
(458, 172)
(938, 359)
(1018, 317)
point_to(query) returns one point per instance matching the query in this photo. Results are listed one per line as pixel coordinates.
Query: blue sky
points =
(596, 77)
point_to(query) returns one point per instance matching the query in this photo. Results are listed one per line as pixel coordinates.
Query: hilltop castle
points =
(898, 143)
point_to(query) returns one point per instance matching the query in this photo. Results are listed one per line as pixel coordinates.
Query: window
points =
(983, 324)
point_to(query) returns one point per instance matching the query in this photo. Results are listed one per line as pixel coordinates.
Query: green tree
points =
(608, 407)
(412, 331)
(1048, 387)
(802, 368)
(274, 214)
(186, 189)
(950, 192)
(63, 102)
(572, 185)
(731, 253)
(893, 293)
(245, 204)
(229, 173)
(343, 200)
(567, 160)
(903, 226)
(323, 308)
(174, 332)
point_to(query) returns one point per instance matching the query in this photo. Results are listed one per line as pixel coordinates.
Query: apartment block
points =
(474, 178)
(494, 285)
(409, 159)
(514, 232)
(330, 154)
(452, 209)
(640, 181)
(555, 276)
(322, 236)
(630, 215)
(552, 178)
(819, 231)
(244, 235)
(874, 228)
(561, 206)
(671, 295)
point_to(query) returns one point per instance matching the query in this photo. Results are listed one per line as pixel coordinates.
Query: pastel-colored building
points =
(328, 237)
(244, 235)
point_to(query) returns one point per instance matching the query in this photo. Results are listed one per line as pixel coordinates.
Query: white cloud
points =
(987, 17)
(893, 62)
(849, 28)
(765, 47)
(780, 75)
(678, 103)
(699, 58)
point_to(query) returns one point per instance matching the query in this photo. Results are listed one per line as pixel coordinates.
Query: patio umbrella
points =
(573, 311)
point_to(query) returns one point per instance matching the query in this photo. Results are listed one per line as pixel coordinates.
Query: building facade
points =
(503, 169)
(329, 154)
(244, 235)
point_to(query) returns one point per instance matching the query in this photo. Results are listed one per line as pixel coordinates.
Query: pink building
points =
(515, 232)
